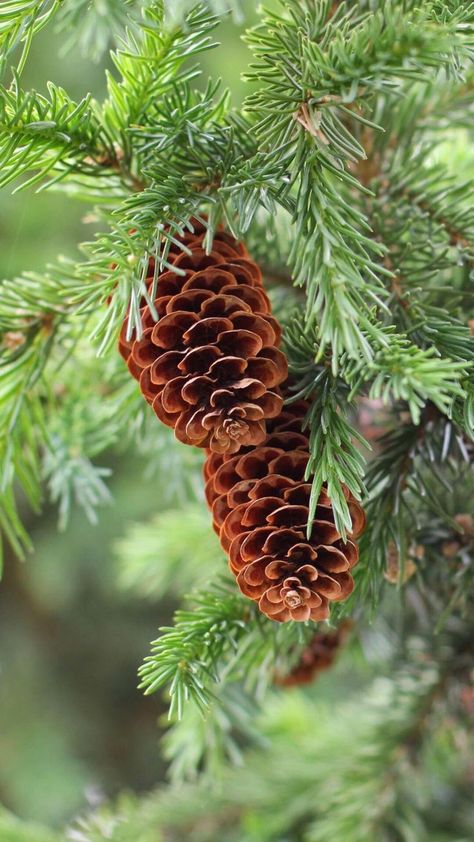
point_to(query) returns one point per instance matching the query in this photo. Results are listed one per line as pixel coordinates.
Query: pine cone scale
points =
(210, 366)
(211, 369)
(260, 504)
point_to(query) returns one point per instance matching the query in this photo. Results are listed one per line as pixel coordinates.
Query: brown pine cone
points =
(260, 504)
(210, 366)
(318, 656)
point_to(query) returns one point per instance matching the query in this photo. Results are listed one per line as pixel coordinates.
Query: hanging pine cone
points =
(210, 366)
(318, 656)
(260, 505)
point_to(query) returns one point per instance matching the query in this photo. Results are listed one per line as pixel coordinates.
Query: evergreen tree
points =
(347, 173)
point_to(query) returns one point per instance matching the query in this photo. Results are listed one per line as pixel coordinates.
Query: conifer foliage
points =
(290, 282)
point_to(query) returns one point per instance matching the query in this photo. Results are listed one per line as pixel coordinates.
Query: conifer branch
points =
(215, 625)
(403, 372)
(20, 20)
(219, 637)
(303, 54)
(335, 460)
(161, 557)
(21, 430)
(415, 467)
(334, 173)
(93, 25)
(399, 372)
(50, 136)
(175, 11)
(389, 746)
(150, 65)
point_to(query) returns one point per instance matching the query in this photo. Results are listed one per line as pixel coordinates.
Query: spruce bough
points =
(347, 173)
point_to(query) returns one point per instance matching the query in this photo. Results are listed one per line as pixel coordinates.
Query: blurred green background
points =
(73, 726)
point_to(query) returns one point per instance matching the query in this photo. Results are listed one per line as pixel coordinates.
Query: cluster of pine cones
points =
(211, 368)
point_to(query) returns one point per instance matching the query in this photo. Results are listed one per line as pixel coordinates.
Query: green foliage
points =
(19, 437)
(216, 624)
(20, 20)
(92, 24)
(339, 171)
(376, 231)
(49, 135)
(317, 72)
(175, 549)
(413, 502)
(13, 830)
(199, 747)
(333, 769)
(151, 63)
(72, 478)
(403, 372)
(223, 635)
(335, 460)
(176, 9)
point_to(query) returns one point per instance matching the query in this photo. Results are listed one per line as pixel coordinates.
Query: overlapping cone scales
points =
(210, 366)
(260, 506)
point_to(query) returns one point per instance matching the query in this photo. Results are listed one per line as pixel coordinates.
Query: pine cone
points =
(260, 504)
(210, 366)
(318, 656)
